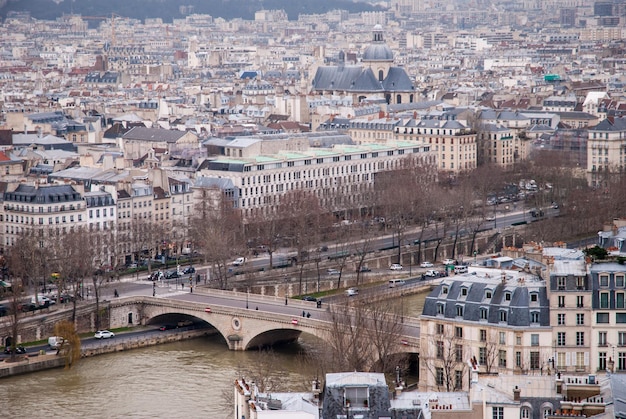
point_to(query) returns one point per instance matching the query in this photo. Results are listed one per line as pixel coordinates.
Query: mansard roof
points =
(43, 194)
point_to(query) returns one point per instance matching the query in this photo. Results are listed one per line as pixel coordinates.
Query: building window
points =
(534, 339)
(497, 413)
(483, 313)
(561, 301)
(503, 315)
(620, 317)
(439, 376)
(483, 335)
(458, 332)
(458, 380)
(602, 339)
(580, 338)
(534, 317)
(560, 283)
(601, 361)
(502, 338)
(507, 296)
(518, 359)
(444, 290)
(580, 301)
(502, 358)
(580, 319)
(525, 413)
(580, 360)
(482, 356)
(621, 361)
(621, 338)
(441, 308)
(560, 319)
(560, 339)
(604, 280)
(534, 360)
(604, 300)
(602, 317)
(488, 294)
(458, 352)
(459, 311)
(534, 297)
(619, 300)
(619, 281)
(439, 349)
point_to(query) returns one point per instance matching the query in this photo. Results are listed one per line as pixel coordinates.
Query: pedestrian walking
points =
(303, 313)
(308, 315)
(115, 293)
(285, 300)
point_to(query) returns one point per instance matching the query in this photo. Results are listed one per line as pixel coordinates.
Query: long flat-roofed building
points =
(341, 176)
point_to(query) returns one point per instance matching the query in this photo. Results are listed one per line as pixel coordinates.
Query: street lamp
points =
(247, 292)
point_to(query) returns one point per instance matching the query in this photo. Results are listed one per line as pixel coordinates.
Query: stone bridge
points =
(241, 328)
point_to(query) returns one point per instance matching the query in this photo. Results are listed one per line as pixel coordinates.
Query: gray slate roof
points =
(153, 134)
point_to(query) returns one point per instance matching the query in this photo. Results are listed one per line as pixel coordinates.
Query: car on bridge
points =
(426, 265)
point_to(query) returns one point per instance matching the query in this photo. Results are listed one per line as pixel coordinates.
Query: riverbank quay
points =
(44, 360)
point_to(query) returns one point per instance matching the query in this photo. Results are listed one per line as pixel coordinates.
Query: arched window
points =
(381, 75)
(526, 413)
(398, 98)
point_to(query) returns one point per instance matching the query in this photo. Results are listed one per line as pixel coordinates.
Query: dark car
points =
(3, 310)
(18, 350)
(24, 307)
(309, 298)
(172, 274)
(167, 327)
(189, 270)
(364, 269)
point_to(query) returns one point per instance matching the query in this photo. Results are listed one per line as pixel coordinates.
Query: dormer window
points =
(464, 291)
(534, 317)
(534, 297)
(484, 313)
(444, 290)
(507, 296)
(441, 308)
(503, 315)
(459, 311)
(488, 294)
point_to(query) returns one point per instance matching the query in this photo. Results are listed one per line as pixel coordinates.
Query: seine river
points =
(187, 379)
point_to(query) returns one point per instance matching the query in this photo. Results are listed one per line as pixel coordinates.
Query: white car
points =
(351, 292)
(104, 334)
(449, 262)
(490, 218)
(395, 267)
(332, 271)
(426, 265)
(239, 261)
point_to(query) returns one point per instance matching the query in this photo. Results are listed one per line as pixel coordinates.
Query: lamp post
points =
(247, 292)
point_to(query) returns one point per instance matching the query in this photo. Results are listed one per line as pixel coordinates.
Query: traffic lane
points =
(271, 307)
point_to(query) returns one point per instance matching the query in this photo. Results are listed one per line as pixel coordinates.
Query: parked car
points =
(396, 267)
(364, 268)
(432, 273)
(239, 261)
(426, 265)
(104, 334)
(18, 350)
(27, 306)
(309, 298)
(332, 271)
(189, 270)
(490, 218)
(351, 292)
(3, 310)
(172, 274)
(449, 262)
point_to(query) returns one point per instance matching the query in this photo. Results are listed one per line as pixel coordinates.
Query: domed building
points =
(376, 76)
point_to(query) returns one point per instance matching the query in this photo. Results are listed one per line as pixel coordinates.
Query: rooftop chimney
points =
(516, 394)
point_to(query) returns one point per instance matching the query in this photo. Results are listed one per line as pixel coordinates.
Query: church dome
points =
(378, 50)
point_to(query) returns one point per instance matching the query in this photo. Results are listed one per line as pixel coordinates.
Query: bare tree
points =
(444, 358)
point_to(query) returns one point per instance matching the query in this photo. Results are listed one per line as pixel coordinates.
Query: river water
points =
(186, 379)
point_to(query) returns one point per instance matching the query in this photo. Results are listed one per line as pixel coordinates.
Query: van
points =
(396, 283)
(55, 342)
(460, 269)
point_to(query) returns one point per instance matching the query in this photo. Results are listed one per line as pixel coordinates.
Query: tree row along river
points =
(184, 379)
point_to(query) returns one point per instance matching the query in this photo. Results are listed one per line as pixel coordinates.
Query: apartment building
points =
(453, 142)
(607, 294)
(571, 315)
(55, 208)
(606, 148)
(340, 176)
(484, 321)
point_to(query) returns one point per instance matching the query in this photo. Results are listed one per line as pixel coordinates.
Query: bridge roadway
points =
(244, 320)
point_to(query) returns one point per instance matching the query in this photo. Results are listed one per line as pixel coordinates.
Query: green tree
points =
(70, 347)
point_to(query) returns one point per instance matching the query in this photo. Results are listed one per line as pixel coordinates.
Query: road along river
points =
(188, 379)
